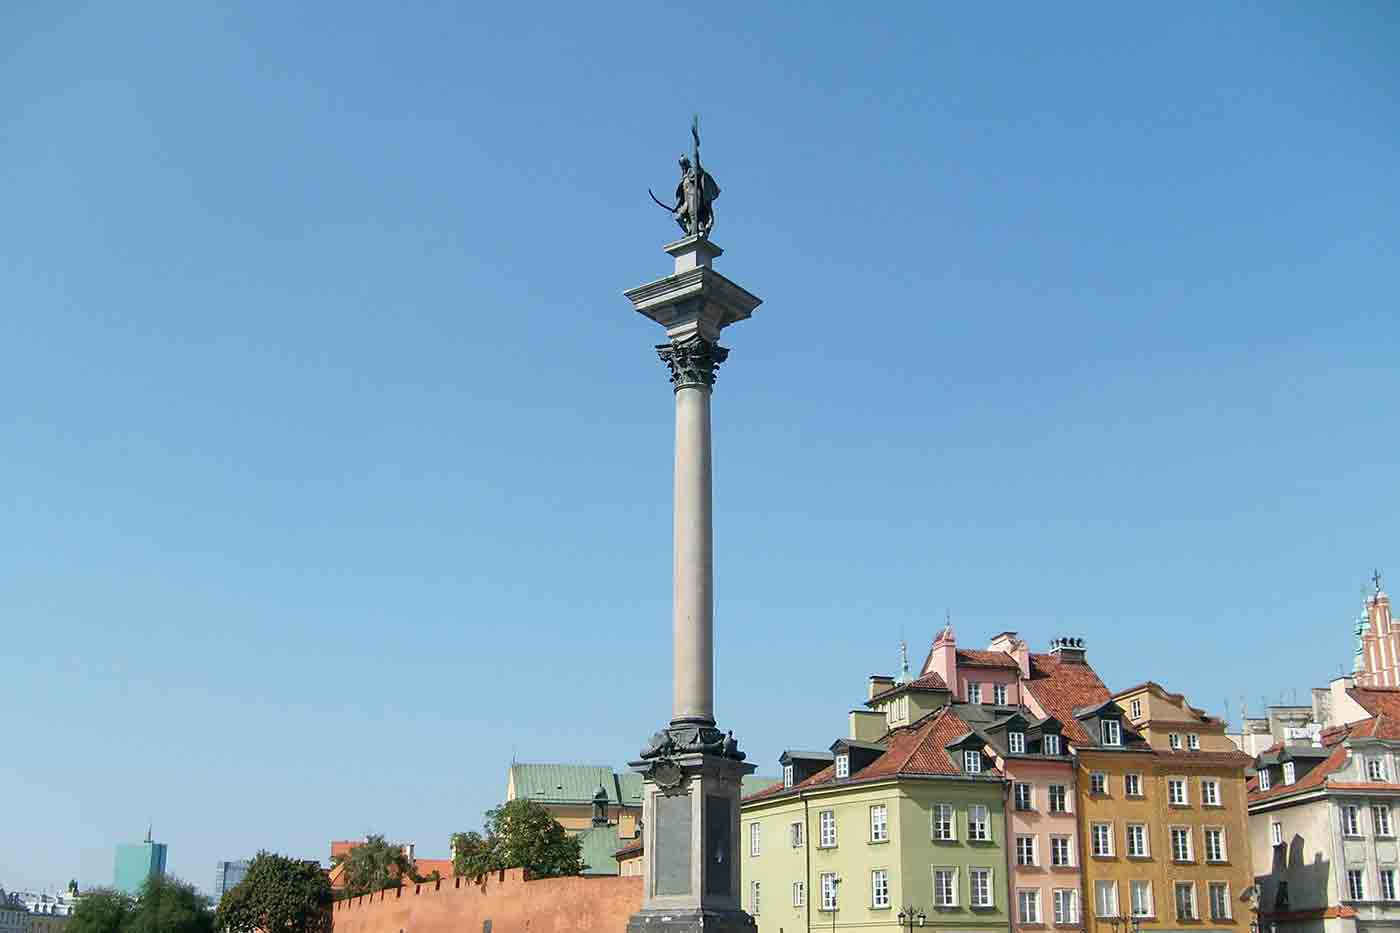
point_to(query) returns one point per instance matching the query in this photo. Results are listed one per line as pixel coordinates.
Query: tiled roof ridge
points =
(929, 730)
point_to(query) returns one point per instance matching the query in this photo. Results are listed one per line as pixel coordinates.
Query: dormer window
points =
(1264, 779)
(1016, 742)
(1289, 772)
(1135, 710)
(1111, 732)
(972, 762)
(843, 766)
(1052, 745)
(787, 775)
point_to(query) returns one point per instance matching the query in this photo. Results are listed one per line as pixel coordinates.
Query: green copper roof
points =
(559, 783)
(599, 844)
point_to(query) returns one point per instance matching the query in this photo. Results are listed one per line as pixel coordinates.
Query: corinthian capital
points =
(693, 361)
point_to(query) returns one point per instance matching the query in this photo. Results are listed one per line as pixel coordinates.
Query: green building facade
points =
(136, 863)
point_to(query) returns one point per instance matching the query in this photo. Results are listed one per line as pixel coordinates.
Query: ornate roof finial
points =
(1376, 579)
(903, 664)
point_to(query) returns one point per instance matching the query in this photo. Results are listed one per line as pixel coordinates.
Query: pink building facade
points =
(1377, 662)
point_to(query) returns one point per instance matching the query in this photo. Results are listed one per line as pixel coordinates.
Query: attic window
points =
(1264, 779)
(1052, 745)
(1110, 732)
(787, 775)
(972, 762)
(1289, 772)
(843, 765)
(1016, 742)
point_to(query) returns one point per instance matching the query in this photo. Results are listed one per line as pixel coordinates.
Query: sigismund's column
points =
(691, 770)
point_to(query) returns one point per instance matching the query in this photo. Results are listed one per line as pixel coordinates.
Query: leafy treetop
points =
(519, 834)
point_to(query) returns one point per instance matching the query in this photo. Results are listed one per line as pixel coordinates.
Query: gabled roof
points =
(928, 683)
(598, 849)
(1059, 687)
(1177, 699)
(1378, 700)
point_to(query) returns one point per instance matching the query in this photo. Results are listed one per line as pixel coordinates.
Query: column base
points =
(692, 737)
(702, 920)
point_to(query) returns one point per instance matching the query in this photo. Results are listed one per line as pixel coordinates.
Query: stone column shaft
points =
(693, 601)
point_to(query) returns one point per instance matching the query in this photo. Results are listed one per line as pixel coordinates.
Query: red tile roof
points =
(633, 848)
(968, 657)
(1317, 775)
(1377, 700)
(930, 681)
(1062, 687)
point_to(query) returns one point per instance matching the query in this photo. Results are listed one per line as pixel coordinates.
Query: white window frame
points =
(1174, 740)
(1145, 850)
(1136, 778)
(1025, 846)
(979, 830)
(1065, 845)
(879, 823)
(1218, 832)
(1193, 741)
(830, 891)
(1264, 781)
(1211, 888)
(1276, 833)
(1375, 769)
(1135, 709)
(1028, 905)
(952, 822)
(1065, 903)
(974, 692)
(999, 694)
(987, 896)
(1351, 821)
(1150, 907)
(787, 775)
(1210, 792)
(754, 890)
(1190, 888)
(1063, 801)
(880, 889)
(1111, 732)
(1357, 891)
(1181, 832)
(1178, 792)
(1388, 890)
(843, 765)
(1101, 907)
(972, 761)
(952, 890)
(1050, 744)
(1022, 789)
(1099, 779)
(825, 839)
(1016, 743)
(1380, 820)
(755, 840)
(1095, 835)
(797, 834)
(799, 893)
(1290, 773)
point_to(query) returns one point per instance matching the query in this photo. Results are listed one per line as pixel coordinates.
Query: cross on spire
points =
(1376, 579)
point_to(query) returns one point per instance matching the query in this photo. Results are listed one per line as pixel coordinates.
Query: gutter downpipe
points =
(807, 847)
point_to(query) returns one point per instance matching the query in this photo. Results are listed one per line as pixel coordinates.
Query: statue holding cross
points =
(695, 192)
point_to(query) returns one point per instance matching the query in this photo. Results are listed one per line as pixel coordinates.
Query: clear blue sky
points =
(338, 468)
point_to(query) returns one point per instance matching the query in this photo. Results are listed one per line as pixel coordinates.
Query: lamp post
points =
(835, 899)
(909, 917)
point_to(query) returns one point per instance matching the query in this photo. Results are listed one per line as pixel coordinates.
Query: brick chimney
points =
(1012, 644)
(1068, 650)
(943, 659)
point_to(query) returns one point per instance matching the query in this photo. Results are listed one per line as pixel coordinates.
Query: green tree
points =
(278, 895)
(519, 834)
(101, 910)
(374, 865)
(168, 905)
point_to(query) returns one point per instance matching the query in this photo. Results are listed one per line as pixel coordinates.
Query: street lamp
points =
(909, 917)
(835, 900)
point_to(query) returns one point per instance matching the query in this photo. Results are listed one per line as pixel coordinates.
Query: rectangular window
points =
(1193, 741)
(795, 835)
(753, 897)
(1105, 899)
(1185, 900)
(1141, 893)
(843, 766)
(1028, 905)
(1137, 840)
(1215, 844)
(879, 824)
(999, 694)
(979, 825)
(1289, 772)
(1098, 783)
(755, 843)
(1375, 769)
(972, 762)
(944, 829)
(1052, 744)
(1380, 820)
(1351, 820)
(1181, 844)
(828, 880)
(1210, 792)
(1264, 779)
(1110, 732)
(1219, 901)
(1061, 852)
(1174, 740)
(799, 893)
(945, 887)
(879, 888)
(1023, 797)
(1276, 833)
(974, 692)
(1025, 850)
(981, 884)
(1135, 709)
(1102, 836)
(827, 823)
(1059, 799)
(787, 775)
(1387, 884)
(1176, 792)
(1066, 905)
(1016, 742)
(1132, 784)
(1356, 884)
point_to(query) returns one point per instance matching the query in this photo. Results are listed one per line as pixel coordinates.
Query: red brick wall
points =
(513, 905)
